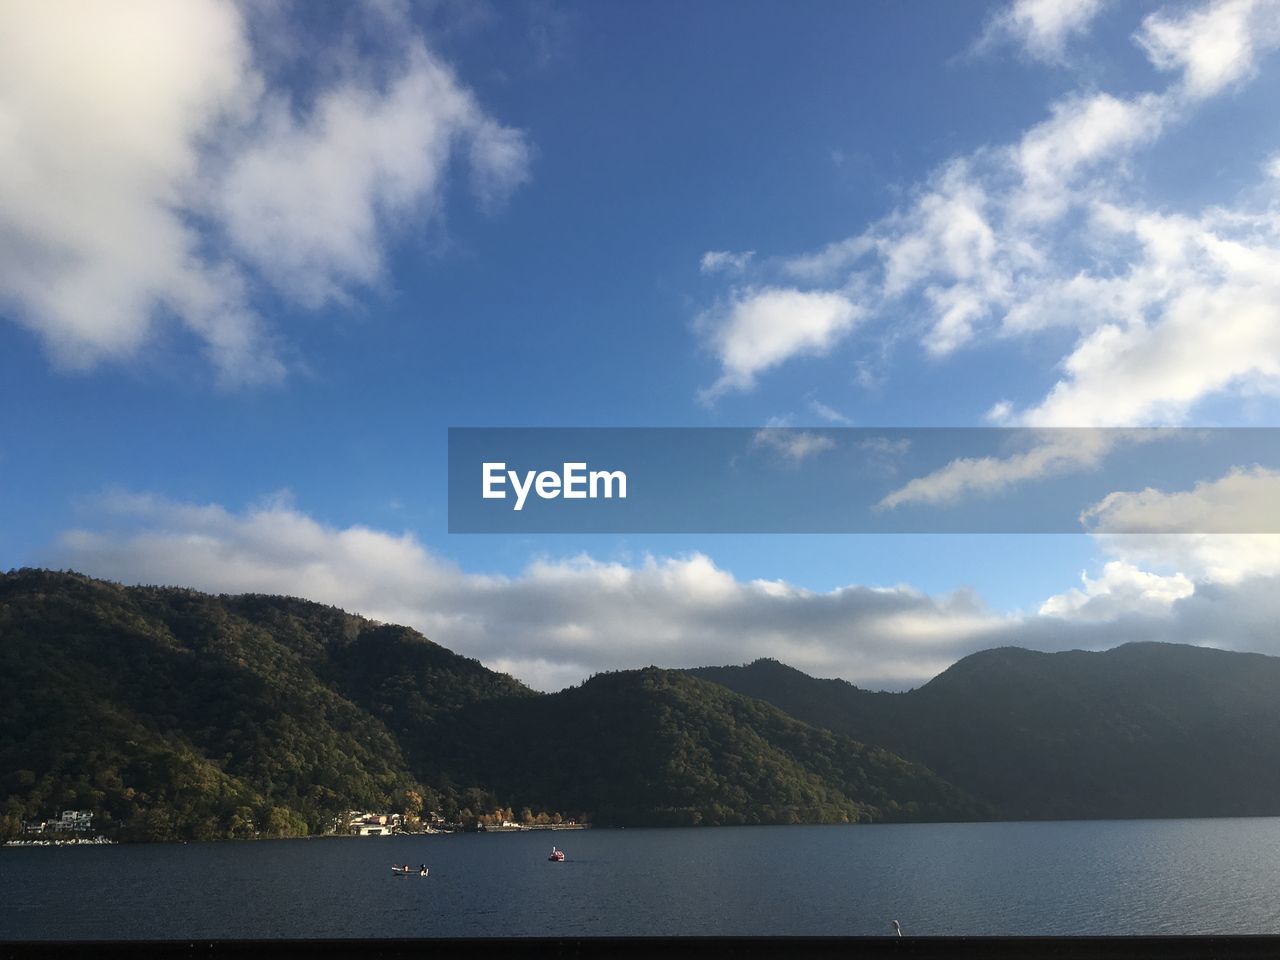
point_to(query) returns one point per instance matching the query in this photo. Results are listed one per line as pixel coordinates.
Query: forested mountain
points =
(171, 713)
(1144, 730)
(660, 747)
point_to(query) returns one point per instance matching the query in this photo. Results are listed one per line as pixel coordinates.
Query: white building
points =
(374, 824)
(72, 820)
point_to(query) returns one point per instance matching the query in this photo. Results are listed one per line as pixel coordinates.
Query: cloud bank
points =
(561, 619)
(555, 623)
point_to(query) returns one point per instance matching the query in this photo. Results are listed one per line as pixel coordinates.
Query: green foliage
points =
(660, 747)
(173, 714)
(176, 715)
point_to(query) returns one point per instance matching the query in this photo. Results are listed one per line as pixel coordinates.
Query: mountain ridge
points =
(1142, 729)
(177, 714)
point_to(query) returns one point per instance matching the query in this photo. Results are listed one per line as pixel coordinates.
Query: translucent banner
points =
(863, 480)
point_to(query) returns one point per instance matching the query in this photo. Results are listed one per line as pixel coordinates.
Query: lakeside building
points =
(71, 821)
(361, 824)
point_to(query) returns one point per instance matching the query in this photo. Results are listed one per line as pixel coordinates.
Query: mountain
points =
(1143, 730)
(175, 714)
(660, 747)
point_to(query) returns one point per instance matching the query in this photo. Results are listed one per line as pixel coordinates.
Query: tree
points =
(283, 822)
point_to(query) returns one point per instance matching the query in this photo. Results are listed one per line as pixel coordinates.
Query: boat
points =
(556, 855)
(406, 870)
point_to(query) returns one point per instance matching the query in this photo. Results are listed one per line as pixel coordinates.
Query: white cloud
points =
(1232, 575)
(945, 233)
(829, 413)
(943, 247)
(499, 157)
(1197, 312)
(554, 623)
(560, 620)
(1041, 28)
(1080, 133)
(886, 447)
(791, 444)
(1214, 46)
(830, 261)
(999, 413)
(146, 162)
(1245, 500)
(1042, 232)
(979, 239)
(1218, 590)
(972, 244)
(1207, 558)
(760, 328)
(1221, 531)
(1050, 454)
(725, 261)
(308, 202)
(882, 455)
(1122, 590)
(101, 111)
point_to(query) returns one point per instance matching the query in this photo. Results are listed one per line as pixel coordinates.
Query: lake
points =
(1149, 877)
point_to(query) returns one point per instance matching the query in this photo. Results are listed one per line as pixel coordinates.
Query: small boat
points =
(556, 855)
(406, 870)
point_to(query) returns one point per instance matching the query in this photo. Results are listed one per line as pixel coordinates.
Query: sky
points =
(256, 258)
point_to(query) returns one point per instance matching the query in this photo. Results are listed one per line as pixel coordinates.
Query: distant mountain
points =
(1144, 730)
(660, 747)
(171, 713)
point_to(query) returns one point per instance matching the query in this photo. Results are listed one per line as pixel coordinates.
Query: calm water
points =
(1115, 877)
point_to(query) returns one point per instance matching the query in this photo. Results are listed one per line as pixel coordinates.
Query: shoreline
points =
(105, 841)
(77, 842)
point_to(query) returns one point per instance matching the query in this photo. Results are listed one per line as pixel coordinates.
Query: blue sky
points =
(255, 260)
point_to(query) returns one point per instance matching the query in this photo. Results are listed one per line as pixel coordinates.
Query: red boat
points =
(556, 855)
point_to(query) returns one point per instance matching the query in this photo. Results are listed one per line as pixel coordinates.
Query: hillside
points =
(1144, 730)
(658, 746)
(172, 713)
(175, 714)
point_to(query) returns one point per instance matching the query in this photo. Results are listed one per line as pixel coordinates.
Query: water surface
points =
(1111, 877)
